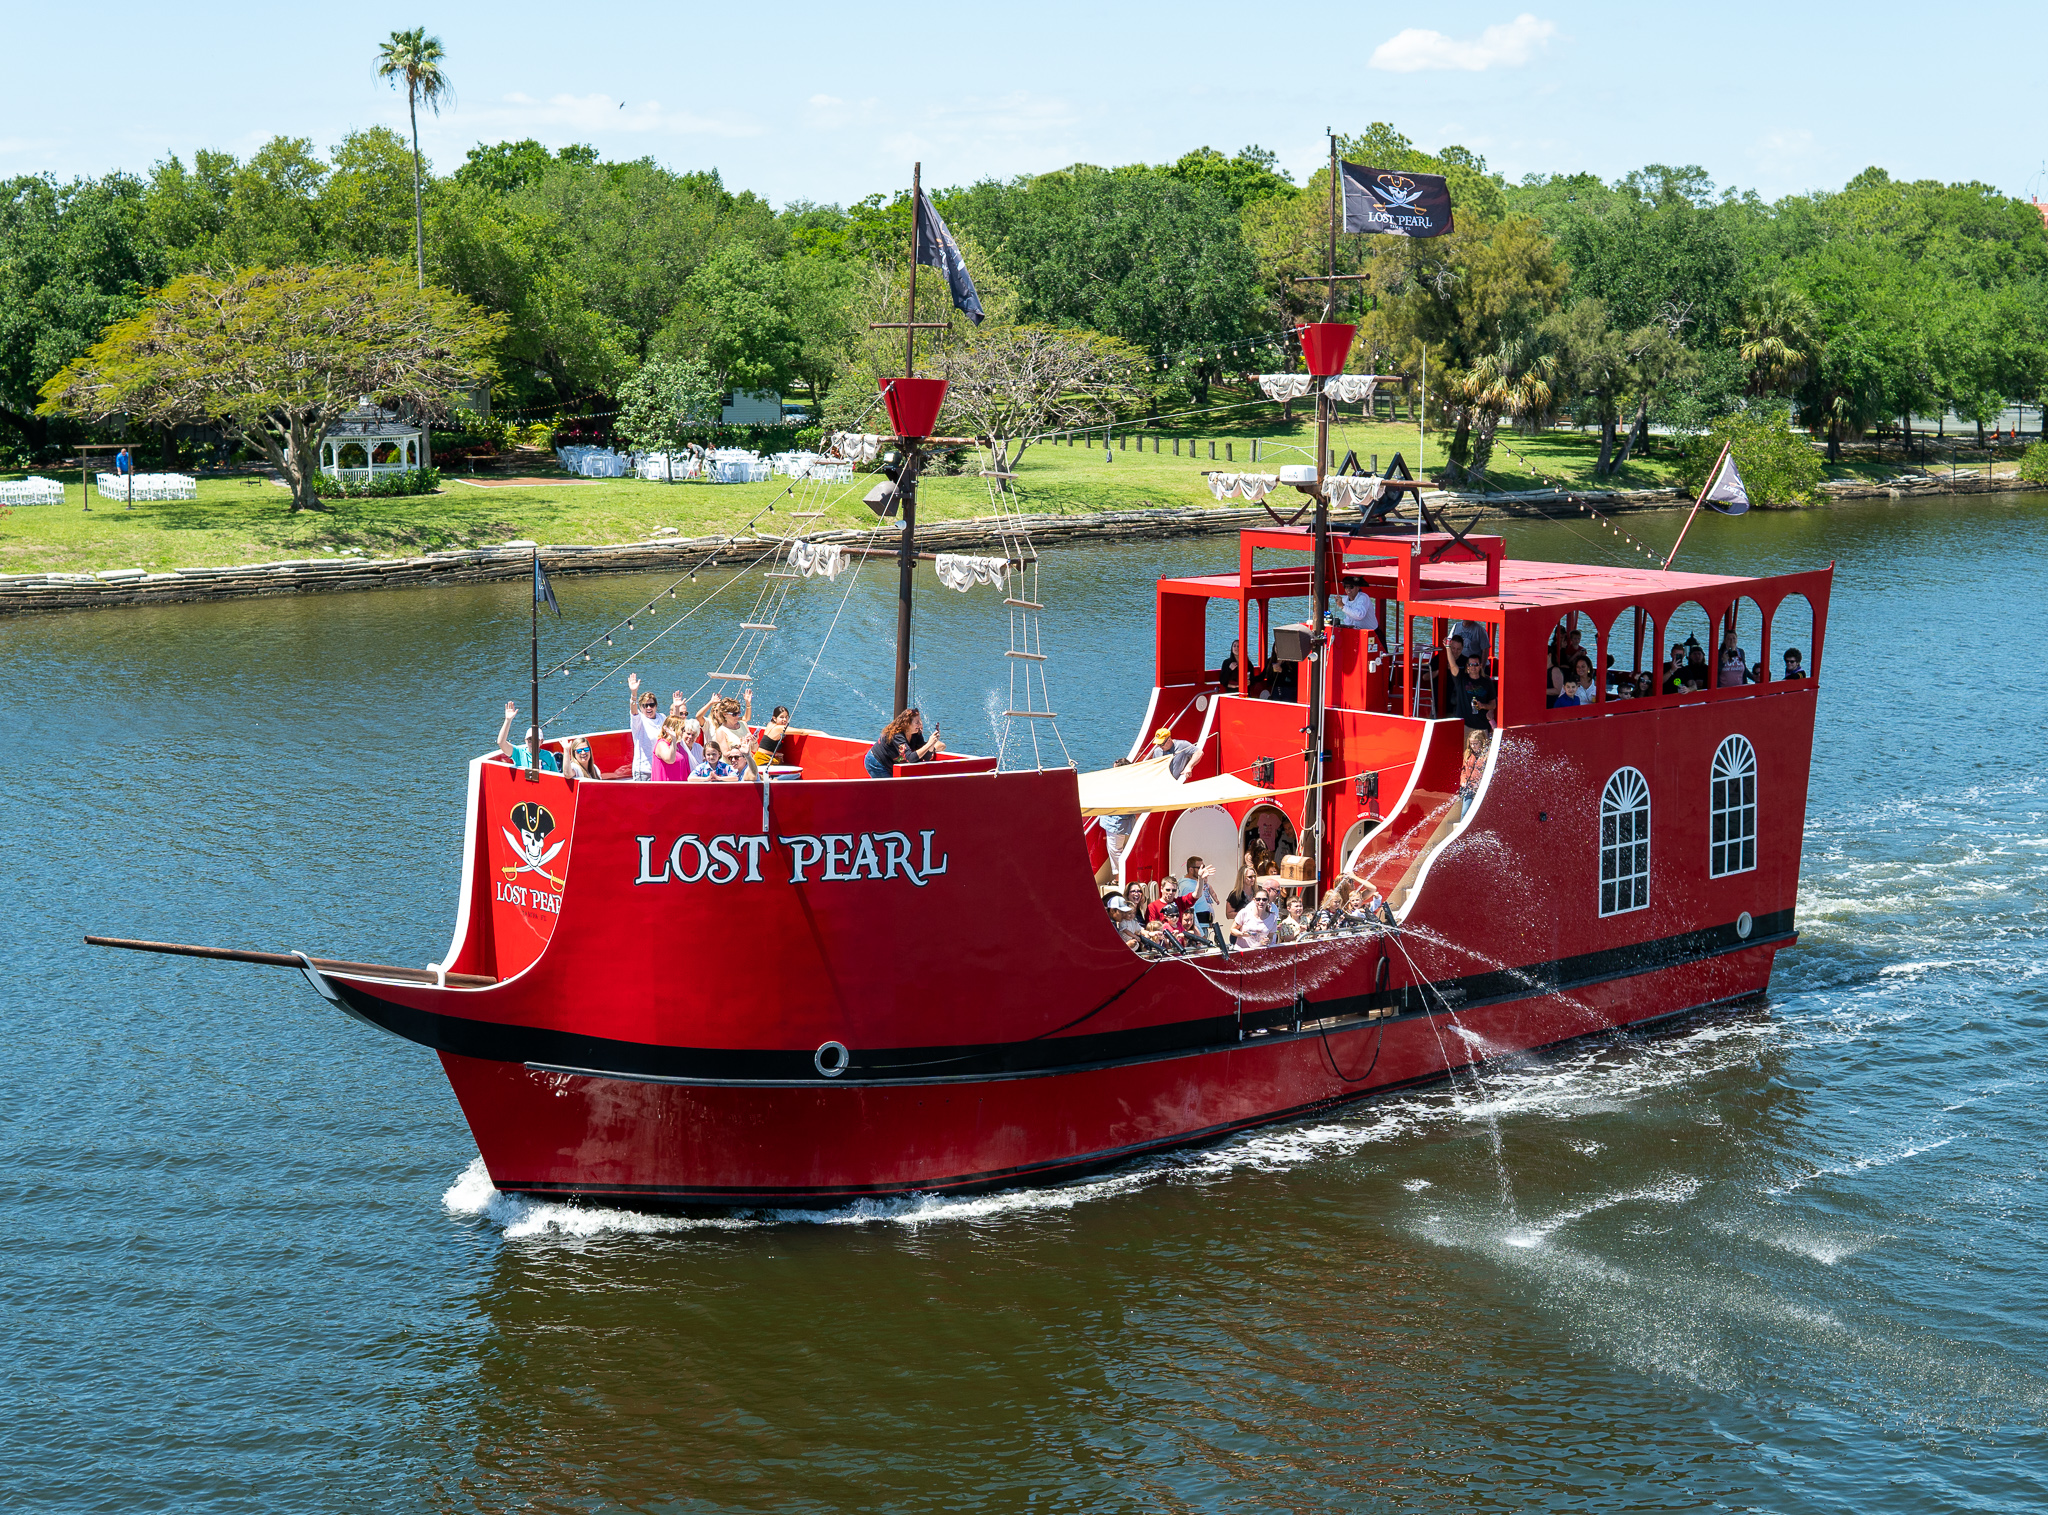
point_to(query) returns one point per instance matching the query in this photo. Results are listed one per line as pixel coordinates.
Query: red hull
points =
(806, 1145)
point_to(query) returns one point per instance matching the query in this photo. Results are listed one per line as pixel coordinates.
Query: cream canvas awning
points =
(1149, 786)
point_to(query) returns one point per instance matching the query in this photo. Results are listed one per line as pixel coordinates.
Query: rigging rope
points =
(619, 666)
(755, 635)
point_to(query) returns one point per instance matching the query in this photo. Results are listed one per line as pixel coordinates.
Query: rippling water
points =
(1785, 1260)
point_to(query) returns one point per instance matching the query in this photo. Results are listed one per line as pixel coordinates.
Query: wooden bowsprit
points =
(292, 960)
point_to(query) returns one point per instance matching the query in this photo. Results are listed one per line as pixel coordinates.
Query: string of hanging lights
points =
(587, 651)
(1553, 484)
(625, 623)
(617, 666)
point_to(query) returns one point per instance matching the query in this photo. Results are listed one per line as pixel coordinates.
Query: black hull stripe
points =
(493, 1041)
(1062, 1170)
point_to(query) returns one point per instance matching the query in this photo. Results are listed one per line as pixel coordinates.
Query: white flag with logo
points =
(1727, 493)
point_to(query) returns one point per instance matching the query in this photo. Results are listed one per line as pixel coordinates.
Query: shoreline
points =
(112, 588)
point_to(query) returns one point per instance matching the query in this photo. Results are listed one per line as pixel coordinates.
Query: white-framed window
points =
(1733, 811)
(1625, 843)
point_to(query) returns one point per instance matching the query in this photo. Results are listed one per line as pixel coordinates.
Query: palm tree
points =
(415, 58)
(1517, 379)
(1780, 334)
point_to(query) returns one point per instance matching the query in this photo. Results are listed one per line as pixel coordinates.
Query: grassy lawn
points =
(247, 520)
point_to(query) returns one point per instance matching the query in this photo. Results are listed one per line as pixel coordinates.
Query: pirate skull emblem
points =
(529, 842)
(1399, 191)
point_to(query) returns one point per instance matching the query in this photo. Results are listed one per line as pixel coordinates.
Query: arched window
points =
(1734, 809)
(1625, 843)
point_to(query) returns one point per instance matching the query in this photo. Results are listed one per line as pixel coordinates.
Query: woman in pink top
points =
(672, 759)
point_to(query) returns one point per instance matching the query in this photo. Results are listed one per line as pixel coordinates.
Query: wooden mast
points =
(906, 471)
(906, 480)
(1319, 590)
(533, 622)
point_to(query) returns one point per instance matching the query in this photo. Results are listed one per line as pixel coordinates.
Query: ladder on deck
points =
(1030, 711)
(1422, 681)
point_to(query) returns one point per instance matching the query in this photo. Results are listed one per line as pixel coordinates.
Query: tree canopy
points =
(274, 356)
(1656, 297)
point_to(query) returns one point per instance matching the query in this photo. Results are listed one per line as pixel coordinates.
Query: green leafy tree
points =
(230, 214)
(874, 230)
(1876, 307)
(823, 296)
(1778, 464)
(1135, 253)
(73, 258)
(632, 234)
(1654, 250)
(1469, 293)
(736, 315)
(1514, 380)
(516, 259)
(502, 168)
(412, 61)
(186, 213)
(667, 400)
(1593, 368)
(1289, 236)
(1254, 174)
(273, 356)
(1659, 366)
(1010, 385)
(361, 206)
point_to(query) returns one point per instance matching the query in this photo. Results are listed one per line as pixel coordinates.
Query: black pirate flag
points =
(1394, 203)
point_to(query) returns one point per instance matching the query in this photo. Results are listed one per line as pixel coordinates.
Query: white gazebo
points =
(369, 443)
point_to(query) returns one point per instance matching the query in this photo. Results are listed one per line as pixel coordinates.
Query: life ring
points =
(841, 1063)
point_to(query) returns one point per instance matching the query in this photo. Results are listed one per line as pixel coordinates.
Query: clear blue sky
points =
(831, 102)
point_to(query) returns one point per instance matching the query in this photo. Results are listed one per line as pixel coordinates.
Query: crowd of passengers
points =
(1181, 916)
(718, 745)
(1573, 681)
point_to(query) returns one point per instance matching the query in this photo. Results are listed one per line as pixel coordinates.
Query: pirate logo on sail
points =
(841, 857)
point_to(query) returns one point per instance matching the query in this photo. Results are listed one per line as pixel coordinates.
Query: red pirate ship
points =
(1580, 868)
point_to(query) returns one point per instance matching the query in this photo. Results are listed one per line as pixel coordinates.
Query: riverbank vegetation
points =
(1590, 323)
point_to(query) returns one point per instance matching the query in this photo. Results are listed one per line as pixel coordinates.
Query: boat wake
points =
(473, 1194)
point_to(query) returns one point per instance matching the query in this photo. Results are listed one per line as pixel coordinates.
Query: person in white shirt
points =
(1257, 922)
(644, 718)
(1358, 611)
(1203, 905)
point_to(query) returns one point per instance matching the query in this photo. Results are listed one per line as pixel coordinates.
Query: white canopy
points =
(1140, 788)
